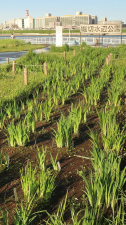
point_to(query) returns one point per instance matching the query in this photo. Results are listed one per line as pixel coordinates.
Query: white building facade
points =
(28, 22)
(19, 23)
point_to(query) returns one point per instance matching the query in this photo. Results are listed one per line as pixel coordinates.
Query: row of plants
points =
(82, 62)
(100, 195)
(103, 191)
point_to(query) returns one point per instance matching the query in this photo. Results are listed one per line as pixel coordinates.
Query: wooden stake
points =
(107, 61)
(74, 52)
(13, 68)
(45, 68)
(7, 60)
(64, 55)
(25, 76)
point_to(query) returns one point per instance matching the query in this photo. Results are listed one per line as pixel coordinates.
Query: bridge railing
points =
(67, 40)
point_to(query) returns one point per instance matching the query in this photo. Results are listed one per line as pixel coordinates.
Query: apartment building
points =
(46, 22)
(28, 22)
(94, 19)
(39, 23)
(75, 21)
(82, 19)
(105, 22)
(49, 20)
(66, 20)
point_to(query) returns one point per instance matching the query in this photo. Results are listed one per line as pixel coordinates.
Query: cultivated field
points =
(63, 138)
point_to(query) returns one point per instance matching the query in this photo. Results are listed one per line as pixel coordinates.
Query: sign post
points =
(58, 36)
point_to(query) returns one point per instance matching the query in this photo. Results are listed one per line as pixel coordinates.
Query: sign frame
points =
(101, 29)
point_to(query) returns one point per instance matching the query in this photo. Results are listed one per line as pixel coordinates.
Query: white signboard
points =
(59, 36)
(101, 29)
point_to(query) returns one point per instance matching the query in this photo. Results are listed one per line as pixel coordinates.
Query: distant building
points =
(39, 23)
(6, 25)
(47, 22)
(34, 23)
(22, 23)
(70, 21)
(94, 19)
(50, 19)
(78, 13)
(19, 23)
(82, 19)
(28, 22)
(105, 22)
(1, 26)
(66, 20)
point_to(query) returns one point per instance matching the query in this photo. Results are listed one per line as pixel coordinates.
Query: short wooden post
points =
(25, 76)
(74, 52)
(13, 67)
(107, 61)
(64, 55)
(45, 68)
(7, 60)
(80, 48)
(83, 48)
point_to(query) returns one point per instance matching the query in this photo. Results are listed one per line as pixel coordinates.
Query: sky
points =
(112, 9)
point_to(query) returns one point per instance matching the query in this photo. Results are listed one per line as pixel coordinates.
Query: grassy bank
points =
(9, 45)
(34, 31)
(12, 86)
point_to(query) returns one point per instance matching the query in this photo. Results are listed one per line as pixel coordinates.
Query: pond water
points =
(10, 55)
(15, 55)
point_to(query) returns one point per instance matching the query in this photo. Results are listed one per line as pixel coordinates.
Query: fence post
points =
(25, 76)
(74, 52)
(64, 55)
(7, 60)
(45, 68)
(13, 67)
(80, 48)
(107, 61)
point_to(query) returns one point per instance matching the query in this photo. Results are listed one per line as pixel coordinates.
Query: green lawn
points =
(9, 45)
(34, 31)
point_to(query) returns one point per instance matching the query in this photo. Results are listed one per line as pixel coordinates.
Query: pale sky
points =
(112, 9)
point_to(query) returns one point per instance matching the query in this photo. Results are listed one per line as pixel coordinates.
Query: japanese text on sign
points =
(116, 28)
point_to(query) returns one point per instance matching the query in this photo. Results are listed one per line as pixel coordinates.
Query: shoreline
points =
(54, 34)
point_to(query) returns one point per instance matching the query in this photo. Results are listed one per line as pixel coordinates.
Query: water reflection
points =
(10, 55)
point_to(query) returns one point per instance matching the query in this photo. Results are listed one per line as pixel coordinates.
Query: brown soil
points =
(67, 178)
